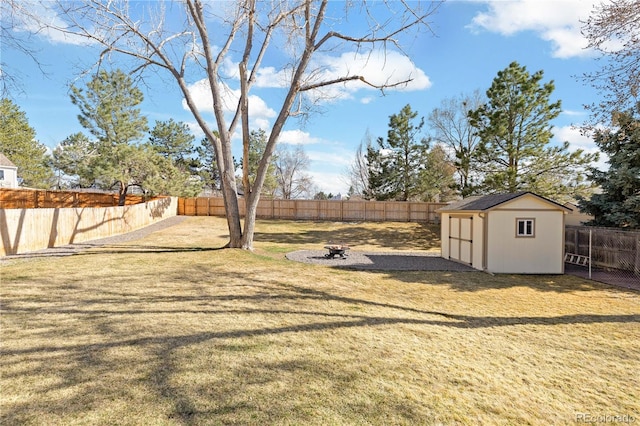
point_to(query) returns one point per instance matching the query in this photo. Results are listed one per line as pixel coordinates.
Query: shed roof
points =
(487, 202)
(4, 161)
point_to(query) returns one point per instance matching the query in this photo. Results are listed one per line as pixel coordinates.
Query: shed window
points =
(525, 227)
(1, 174)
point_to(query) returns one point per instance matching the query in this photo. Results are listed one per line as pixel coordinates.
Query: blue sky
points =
(471, 42)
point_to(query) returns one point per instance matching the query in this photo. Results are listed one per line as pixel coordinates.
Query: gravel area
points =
(70, 249)
(380, 261)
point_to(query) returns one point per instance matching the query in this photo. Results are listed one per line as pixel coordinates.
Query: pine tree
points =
(515, 131)
(74, 157)
(437, 181)
(207, 166)
(395, 164)
(619, 203)
(18, 144)
(173, 141)
(257, 144)
(109, 111)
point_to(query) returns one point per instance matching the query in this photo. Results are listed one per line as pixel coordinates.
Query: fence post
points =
(636, 267)
(590, 231)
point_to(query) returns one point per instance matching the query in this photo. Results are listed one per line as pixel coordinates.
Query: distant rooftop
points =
(4, 161)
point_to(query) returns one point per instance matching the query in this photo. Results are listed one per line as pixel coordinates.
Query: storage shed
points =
(520, 233)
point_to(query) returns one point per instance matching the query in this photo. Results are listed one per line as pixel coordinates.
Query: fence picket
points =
(338, 210)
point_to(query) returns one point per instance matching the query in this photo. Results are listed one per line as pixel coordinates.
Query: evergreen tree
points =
(109, 108)
(109, 111)
(18, 144)
(74, 157)
(174, 142)
(395, 164)
(437, 181)
(207, 166)
(619, 203)
(515, 130)
(257, 144)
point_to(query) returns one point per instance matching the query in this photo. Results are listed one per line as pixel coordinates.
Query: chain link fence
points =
(609, 255)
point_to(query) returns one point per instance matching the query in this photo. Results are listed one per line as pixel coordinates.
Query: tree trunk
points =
(230, 197)
(122, 194)
(251, 206)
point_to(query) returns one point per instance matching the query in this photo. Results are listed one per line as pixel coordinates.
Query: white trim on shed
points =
(505, 233)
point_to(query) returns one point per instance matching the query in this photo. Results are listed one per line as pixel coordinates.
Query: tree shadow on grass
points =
(88, 249)
(481, 281)
(104, 313)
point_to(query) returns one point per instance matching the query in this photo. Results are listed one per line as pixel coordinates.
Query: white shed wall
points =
(541, 254)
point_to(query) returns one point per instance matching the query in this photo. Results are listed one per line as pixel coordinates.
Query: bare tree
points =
(12, 14)
(291, 166)
(450, 127)
(357, 174)
(613, 29)
(200, 38)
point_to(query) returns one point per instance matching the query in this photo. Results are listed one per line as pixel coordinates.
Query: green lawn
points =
(171, 330)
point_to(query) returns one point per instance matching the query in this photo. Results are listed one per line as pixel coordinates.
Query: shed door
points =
(461, 238)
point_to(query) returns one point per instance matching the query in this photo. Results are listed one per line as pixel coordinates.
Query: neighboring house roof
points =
(487, 202)
(5, 162)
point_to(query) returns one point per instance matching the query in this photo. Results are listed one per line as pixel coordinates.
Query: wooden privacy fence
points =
(35, 199)
(610, 247)
(25, 230)
(338, 210)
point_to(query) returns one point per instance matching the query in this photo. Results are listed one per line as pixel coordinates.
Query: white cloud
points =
(328, 182)
(259, 111)
(558, 22)
(378, 68)
(38, 17)
(270, 77)
(577, 141)
(573, 113)
(297, 137)
(261, 123)
(332, 158)
(195, 128)
(574, 137)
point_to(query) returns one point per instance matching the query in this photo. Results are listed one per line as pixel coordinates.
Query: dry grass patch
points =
(172, 330)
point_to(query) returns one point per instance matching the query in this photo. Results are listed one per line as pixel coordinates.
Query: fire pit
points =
(336, 250)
